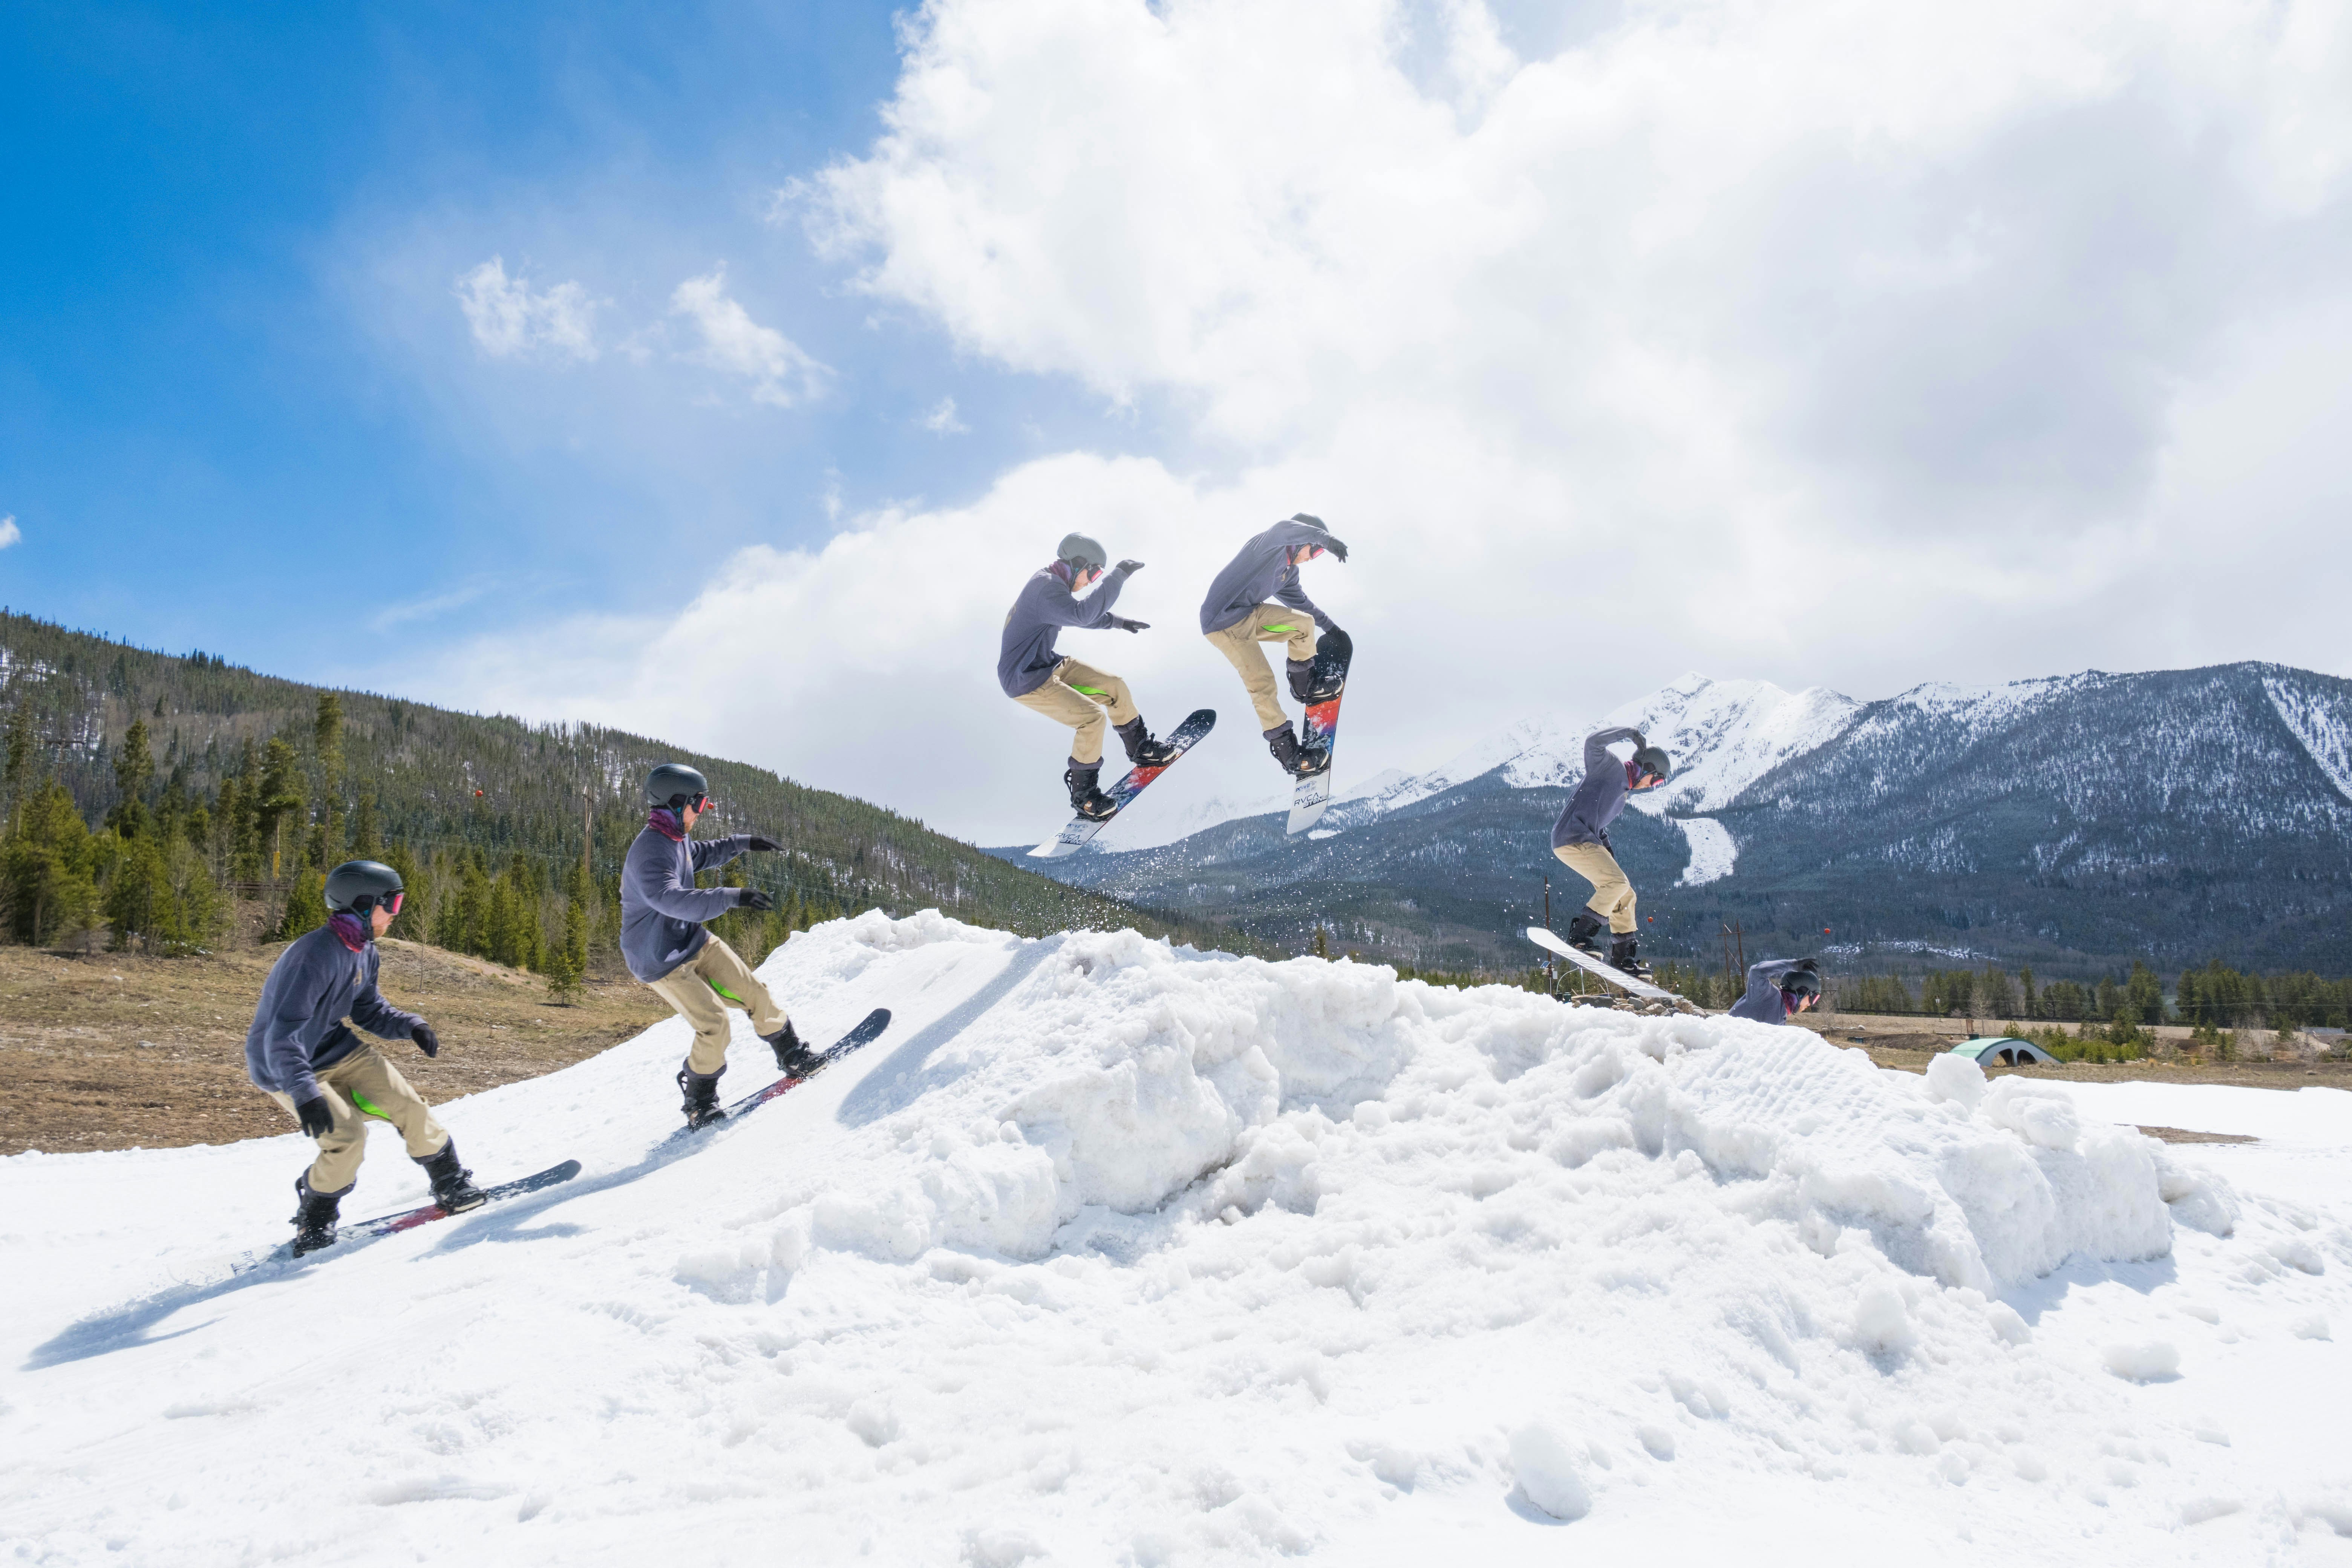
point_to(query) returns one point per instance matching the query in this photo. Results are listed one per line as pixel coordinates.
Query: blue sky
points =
(237, 404)
(720, 372)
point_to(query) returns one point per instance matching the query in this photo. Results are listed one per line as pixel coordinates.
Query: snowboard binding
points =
(1324, 676)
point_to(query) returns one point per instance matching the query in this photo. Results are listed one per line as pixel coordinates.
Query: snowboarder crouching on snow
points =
(1580, 839)
(662, 942)
(1778, 989)
(303, 1054)
(1035, 674)
(1257, 599)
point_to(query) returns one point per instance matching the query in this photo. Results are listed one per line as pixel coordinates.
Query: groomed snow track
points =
(1108, 1253)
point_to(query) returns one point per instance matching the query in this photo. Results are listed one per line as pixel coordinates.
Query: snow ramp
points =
(1114, 1253)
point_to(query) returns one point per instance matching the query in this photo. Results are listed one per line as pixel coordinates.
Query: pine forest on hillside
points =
(144, 790)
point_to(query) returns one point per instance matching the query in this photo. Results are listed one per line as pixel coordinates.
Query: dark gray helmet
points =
(1078, 550)
(1310, 519)
(355, 887)
(1801, 982)
(1653, 760)
(674, 785)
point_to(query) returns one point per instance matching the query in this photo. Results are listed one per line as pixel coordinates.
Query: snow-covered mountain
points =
(1110, 1252)
(2178, 814)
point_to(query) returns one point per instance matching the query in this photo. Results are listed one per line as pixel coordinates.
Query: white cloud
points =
(779, 373)
(943, 420)
(508, 317)
(9, 533)
(1811, 343)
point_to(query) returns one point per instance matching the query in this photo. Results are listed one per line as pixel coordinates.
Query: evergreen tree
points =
(365, 845)
(2026, 994)
(18, 775)
(134, 767)
(306, 904)
(280, 793)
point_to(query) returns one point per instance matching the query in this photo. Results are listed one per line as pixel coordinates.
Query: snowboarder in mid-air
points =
(665, 945)
(303, 1054)
(1580, 839)
(1035, 674)
(1778, 989)
(1257, 599)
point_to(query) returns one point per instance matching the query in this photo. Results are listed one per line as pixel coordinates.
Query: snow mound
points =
(1109, 1251)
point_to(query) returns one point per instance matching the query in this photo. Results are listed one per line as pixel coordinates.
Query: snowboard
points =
(1623, 981)
(1313, 793)
(393, 1224)
(870, 1029)
(1082, 829)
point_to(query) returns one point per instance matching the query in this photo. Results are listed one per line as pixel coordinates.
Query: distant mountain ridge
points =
(2072, 822)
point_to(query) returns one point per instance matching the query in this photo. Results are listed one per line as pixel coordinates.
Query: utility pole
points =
(587, 833)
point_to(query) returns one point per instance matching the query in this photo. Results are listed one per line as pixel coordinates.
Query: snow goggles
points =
(390, 902)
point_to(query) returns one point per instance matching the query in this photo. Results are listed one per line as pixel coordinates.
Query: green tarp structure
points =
(2004, 1051)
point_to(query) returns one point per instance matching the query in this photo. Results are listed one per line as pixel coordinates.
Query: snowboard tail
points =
(1550, 943)
(1313, 795)
(870, 1029)
(1082, 829)
(393, 1224)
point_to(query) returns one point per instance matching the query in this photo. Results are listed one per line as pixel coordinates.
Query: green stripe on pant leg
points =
(729, 995)
(365, 1109)
(1090, 691)
(1277, 629)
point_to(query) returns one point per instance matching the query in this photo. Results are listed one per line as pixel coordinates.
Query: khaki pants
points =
(704, 988)
(363, 1084)
(1612, 893)
(1238, 643)
(1076, 694)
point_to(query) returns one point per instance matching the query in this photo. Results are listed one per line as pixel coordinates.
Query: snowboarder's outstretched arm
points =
(1597, 744)
(711, 852)
(653, 880)
(1091, 613)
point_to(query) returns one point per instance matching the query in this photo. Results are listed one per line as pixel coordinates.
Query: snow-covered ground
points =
(1108, 1253)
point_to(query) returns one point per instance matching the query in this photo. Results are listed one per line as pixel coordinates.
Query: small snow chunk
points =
(2336, 1516)
(1913, 1436)
(874, 1422)
(1657, 1439)
(1371, 1116)
(1956, 1079)
(2040, 1113)
(2209, 1430)
(1882, 1322)
(2313, 1327)
(1000, 1547)
(2149, 1361)
(1544, 1462)
(2196, 1510)
(2204, 1312)
(2006, 1324)
(2297, 1253)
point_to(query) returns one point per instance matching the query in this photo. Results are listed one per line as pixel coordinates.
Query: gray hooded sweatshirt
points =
(1026, 657)
(1263, 573)
(1762, 1004)
(1600, 797)
(298, 1030)
(662, 911)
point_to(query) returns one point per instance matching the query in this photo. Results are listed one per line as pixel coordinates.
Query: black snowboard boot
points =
(1623, 956)
(1299, 762)
(314, 1216)
(1301, 672)
(1325, 676)
(701, 1096)
(1583, 930)
(453, 1184)
(1141, 749)
(1085, 799)
(792, 1053)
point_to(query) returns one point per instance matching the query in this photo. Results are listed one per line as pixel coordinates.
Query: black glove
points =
(1813, 964)
(427, 1041)
(1122, 624)
(1329, 627)
(1131, 567)
(1336, 548)
(764, 846)
(316, 1119)
(753, 899)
